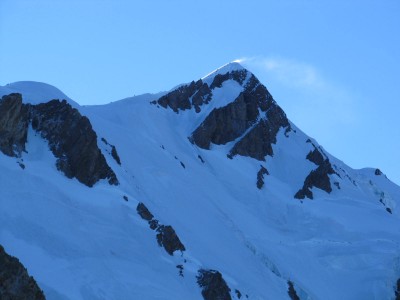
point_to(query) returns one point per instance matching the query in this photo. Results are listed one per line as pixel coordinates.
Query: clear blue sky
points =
(334, 66)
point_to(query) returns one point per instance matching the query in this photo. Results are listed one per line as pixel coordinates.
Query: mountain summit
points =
(207, 191)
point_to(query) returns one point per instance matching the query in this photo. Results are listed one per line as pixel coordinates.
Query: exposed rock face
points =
(69, 134)
(292, 292)
(254, 114)
(115, 155)
(14, 120)
(397, 290)
(213, 285)
(15, 283)
(317, 178)
(239, 76)
(167, 238)
(257, 143)
(227, 123)
(316, 157)
(378, 172)
(260, 177)
(187, 96)
(114, 152)
(198, 93)
(73, 141)
(144, 212)
(166, 235)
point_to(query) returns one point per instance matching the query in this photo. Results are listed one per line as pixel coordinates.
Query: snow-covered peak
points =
(229, 67)
(35, 92)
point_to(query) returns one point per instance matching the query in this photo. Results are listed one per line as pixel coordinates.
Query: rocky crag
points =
(70, 136)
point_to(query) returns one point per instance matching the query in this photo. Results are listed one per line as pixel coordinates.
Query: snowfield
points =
(90, 243)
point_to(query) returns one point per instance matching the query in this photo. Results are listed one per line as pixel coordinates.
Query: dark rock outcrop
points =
(73, 141)
(202, 96)
(166, 235)
(113, 152)
(316, 157)
(292, 292)
(378, 172)
(70, 136)
(15, 282)
(257, 143)
(185, 97)
(180, 268)
(167, 238)
(227, 123)
(14, 121)
(144, 212)
(397, 290)
(213, 285)
(260, 177)
(115, 155)
(254, 114)
(317, 178)
(238, 75)
(254, 110)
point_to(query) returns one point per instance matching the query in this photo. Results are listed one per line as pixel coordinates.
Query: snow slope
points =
(89, 243)
(35, 92)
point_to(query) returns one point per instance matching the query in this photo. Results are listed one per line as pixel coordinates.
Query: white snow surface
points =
(88, 243)
(35, 92)
(229, 67)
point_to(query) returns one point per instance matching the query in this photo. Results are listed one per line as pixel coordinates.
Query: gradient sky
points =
(334, 66)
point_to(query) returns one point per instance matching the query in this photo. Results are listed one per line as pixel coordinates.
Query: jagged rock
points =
(397, 290)
(69, 134)
(315, 156)
(15, 282)
(319, 177)
(202, 96)
(257, 143)
(226, 124)
(180, 268)
(73, 141)
(219, 79)
(378, 172)
(179, 99)
(14, 121)
(115, 155)
(166, 235)
(238, 294)
(144, 212)
(260, 177)
(153, 224)
(292, 292)
(167, 238)
(213, 285)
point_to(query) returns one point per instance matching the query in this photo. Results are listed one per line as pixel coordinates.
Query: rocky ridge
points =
(70, 136)
(319, 177)
(15, 282)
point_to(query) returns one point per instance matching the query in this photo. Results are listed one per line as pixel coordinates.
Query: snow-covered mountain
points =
(207, 191)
